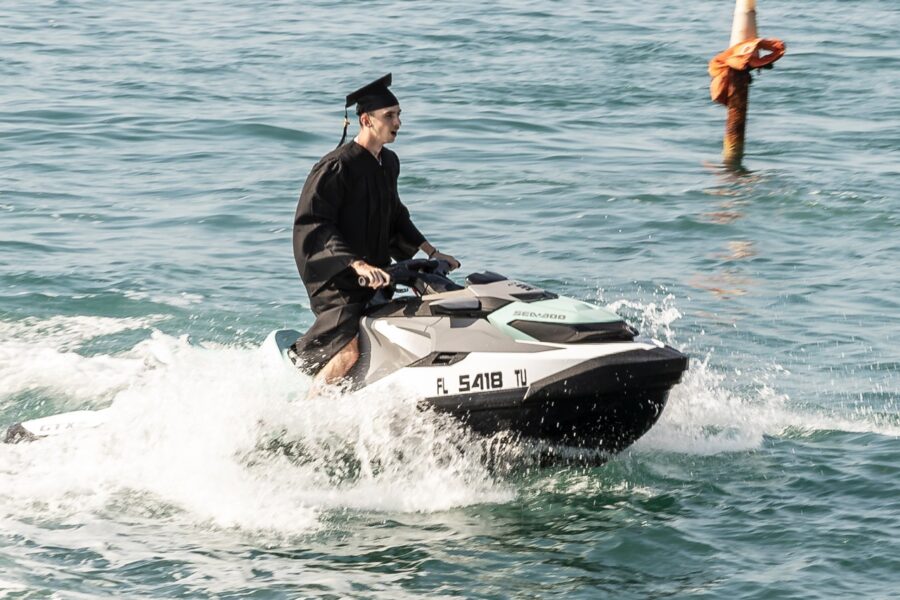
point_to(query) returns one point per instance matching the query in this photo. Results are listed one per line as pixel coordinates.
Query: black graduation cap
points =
(373, 96)
(369, 97)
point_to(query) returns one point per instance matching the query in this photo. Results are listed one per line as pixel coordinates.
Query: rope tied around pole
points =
(740, 57)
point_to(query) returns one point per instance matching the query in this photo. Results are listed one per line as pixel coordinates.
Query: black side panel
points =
(440, 359)
(580, 333)
(615, 374)
(407, 306)
(410, 306)
(478, 402)
(489, 305)
(535, 296)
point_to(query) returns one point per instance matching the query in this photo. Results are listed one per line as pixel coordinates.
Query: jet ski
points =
(505, 356)
(498, 354)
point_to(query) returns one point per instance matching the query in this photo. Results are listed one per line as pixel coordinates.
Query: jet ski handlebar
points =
(422, 275)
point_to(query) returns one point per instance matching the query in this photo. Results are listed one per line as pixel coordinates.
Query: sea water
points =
(151, 155)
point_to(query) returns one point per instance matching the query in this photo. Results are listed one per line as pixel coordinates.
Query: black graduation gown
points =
(349, 209)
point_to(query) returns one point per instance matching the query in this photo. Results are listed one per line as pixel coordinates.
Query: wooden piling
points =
(743, 28)
(736, 123)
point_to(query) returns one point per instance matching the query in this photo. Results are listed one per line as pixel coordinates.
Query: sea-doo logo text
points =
(534, 315)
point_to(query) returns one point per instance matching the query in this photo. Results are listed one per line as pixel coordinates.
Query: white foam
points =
(705, 416)
(41, 354)
(186, 433)
(712, 411)
(66, 331)
(188, 425)
(654, 318)
(180, 300)
(586, 483)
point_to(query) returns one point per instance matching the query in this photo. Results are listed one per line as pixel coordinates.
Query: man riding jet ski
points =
(349, 224)
(503, 355)
(499, 354)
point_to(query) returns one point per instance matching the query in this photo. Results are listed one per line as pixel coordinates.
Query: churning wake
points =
(221, 436)
(714, 410)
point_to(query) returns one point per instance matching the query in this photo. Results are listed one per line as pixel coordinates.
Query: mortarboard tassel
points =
(346, 124)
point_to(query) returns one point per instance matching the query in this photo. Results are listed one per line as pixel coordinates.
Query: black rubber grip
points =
(363, 282)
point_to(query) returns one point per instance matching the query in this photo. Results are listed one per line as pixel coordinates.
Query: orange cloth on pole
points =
(740, 57)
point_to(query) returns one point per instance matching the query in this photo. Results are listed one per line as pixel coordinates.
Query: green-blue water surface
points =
(151, 154)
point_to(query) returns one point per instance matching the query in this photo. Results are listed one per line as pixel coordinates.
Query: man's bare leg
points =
(336, 368)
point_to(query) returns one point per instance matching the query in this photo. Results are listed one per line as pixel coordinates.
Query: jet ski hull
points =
(605, 403)
(600, 402)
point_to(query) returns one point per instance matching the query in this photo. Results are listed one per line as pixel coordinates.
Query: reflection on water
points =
(736, 188)
(739, 250)
(723, 217)
(725, 285)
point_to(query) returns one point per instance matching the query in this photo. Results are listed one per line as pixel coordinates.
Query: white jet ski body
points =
(498, 354)
(502, 355)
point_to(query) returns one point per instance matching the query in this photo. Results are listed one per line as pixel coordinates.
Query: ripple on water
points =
(152, 157)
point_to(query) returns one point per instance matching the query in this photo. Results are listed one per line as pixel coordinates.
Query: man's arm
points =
(319, 249)
(436, 254)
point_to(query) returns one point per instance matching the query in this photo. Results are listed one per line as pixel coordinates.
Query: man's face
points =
(384, 123)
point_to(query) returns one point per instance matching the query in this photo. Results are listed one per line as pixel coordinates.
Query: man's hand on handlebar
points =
(435, 254)
(370, 276)
(438, 255)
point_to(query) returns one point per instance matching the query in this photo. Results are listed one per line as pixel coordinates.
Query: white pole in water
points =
(743, 28)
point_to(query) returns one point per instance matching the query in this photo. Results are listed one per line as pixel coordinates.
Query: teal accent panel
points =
(559, 310)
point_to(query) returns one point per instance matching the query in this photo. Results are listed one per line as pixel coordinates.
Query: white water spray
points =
(220, 435)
